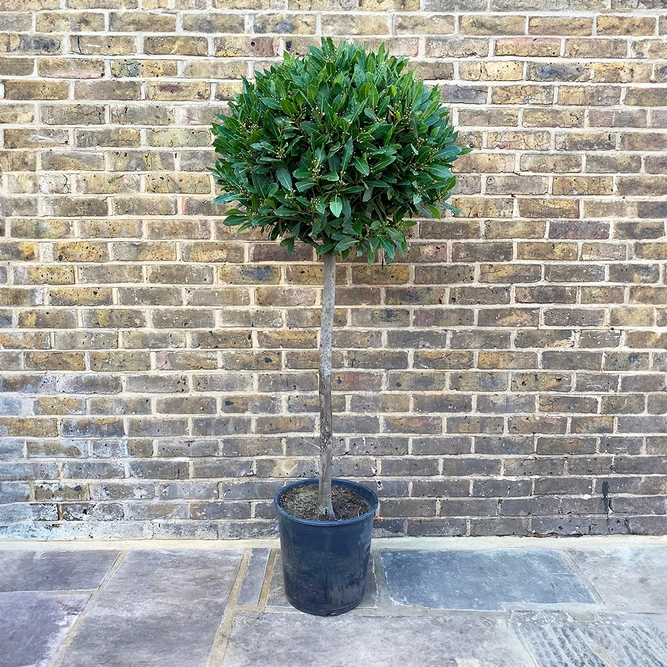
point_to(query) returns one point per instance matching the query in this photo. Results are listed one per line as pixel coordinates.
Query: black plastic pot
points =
(325, 563)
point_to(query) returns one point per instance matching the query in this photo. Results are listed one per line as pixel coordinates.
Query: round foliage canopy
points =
(335, 149)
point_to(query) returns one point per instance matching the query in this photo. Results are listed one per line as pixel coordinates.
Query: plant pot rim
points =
(326, 524)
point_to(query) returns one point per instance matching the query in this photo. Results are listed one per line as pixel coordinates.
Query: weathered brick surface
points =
(509, 375)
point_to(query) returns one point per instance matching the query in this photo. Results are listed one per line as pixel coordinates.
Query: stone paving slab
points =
(489, 580)
(251, 588)
(283, 639)
(627, 578)
(160, 608)
(604, 640)
(33, 625)
(54, 570)
(277, 597)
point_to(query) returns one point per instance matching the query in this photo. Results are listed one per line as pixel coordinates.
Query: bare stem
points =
(326, 417)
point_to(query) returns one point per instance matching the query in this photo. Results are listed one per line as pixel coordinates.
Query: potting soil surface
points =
(301, 502)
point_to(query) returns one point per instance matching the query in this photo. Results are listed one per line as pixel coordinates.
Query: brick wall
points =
(506, 377)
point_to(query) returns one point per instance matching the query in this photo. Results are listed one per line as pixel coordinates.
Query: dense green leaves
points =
(336, 149)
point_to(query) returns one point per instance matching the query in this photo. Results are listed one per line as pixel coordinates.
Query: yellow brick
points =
(595, 48)
(143, 68)
(354, 24)
(263, 47)
(106, 183)
(554, 25)
(548, 208)
(551, 164)
(227, 90)
(208, 68)
(626, 25)
(553, 118)
(80, 296)
(582, 185)
(172, 45)
(522, 95)
(456, 47)
(589, 95)
(178, 137)
(289, 24)
(36, 90)
(103, 45)
(501, 70)
(492, 25)
(181, 90)
(210, 22)
(80, 251)
(528, 47)
(484, 162)
(520, 140)
(620, 72)
(141, 22)
(183, 183)
(430, 24)
(69, 22)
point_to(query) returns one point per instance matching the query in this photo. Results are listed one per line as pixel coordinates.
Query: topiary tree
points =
(336, 150)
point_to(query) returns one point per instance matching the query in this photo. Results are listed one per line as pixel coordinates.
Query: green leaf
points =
(288, 243)
(284, 177)
(440, 171)
(225, 198)
(336, 206)
(302, 186)
(272, 104)
(285, 212)
(385, 162)
(345, 244)
(233, 220)
(347, 154)
(361, 165)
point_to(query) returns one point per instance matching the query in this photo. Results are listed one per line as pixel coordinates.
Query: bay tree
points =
(339, 149)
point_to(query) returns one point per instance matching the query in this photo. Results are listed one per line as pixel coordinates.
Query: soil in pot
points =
(301, 502)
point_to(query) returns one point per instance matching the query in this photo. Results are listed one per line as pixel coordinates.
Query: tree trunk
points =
(326, 417)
